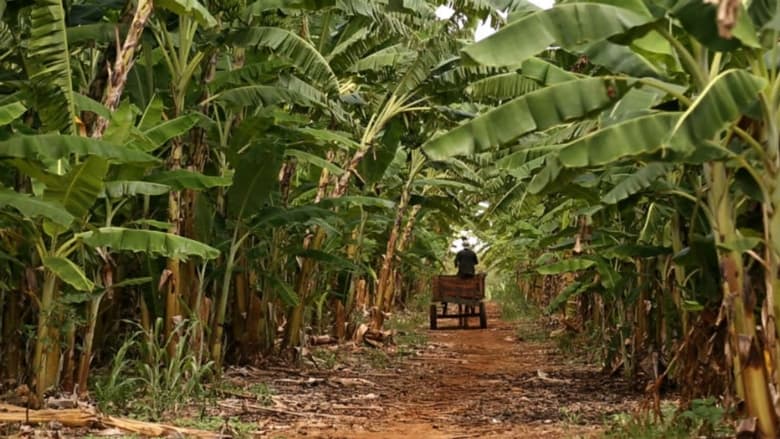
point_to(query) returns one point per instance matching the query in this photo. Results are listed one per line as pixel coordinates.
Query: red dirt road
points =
(467, 383)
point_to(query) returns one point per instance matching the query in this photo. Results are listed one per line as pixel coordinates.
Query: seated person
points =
(465, 260)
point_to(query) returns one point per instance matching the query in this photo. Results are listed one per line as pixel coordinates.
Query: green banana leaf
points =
(189, 8)
(277, 216)
(443, 182)
(358, 200)
(621, 59)
(47, 60)
(700, 20)
(379, 159)
(155, 224)
(167, 130)
(636, 182)
(33, 207)
(312, 96)
(79, 188)
(285, 292)
(535, 111)
(183, 179)
(147, 241)
(287, 44)
(566, 266)
(255, 179)
(68, 272)
(568, 24)
(626, 139)
(11, 112)
(305, 157)
(56, 146)
(501, 87)
(388, 57)
(724, 99)
(85, 103)
(545, 72)
(572, 290)
(100, 33)
(631, 251)
(741, 244)
(331, 259)
(329, 137)
(259, 6)
(257, 95)
(429, 57)
(765, 14)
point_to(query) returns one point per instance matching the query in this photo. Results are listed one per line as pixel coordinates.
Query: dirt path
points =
(463, 383)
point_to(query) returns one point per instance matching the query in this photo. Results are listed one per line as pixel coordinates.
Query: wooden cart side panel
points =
(455, 287)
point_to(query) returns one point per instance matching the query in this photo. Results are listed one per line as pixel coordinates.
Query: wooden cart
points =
(467, 293)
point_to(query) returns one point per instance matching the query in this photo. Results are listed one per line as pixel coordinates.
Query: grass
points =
(407, 327)
(408, 323)
(704, 418)
(378, 359)
(237, 428)
(514, 306)
(263, 393)
(154, 384)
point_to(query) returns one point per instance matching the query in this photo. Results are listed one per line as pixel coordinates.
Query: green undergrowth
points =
(409, 334)
(704, 418)
(410, 323)
(232, 427)
(514, 305)
(148, 381)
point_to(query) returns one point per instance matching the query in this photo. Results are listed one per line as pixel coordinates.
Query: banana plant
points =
(71, 197)
(725, 86)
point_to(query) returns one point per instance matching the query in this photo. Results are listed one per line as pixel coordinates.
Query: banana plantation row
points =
(242, 174)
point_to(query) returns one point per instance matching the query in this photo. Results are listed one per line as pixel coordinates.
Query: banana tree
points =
(726, 86)
(58, 237)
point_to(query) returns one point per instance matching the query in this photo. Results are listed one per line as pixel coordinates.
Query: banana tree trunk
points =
(406, 238)
(46, 340)
(383, 292)
(86, 354)
(69, 365)
(739, 303)
(10, 348)
(771, 324)
(304, 281)
(679, 272)
(384, 289)
(199, 156)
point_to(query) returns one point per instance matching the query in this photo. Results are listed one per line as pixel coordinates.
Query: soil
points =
(506, 381)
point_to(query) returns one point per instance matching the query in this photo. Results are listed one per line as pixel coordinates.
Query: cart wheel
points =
(482, 316)
(433, 316)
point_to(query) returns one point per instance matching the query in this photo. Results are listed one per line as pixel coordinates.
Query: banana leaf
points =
(539, 110)
(147, 241)
(568, 24)
(33, 207)
(68, 272)
(56, 146)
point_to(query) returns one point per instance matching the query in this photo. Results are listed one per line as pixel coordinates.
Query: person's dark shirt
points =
(465, 260)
